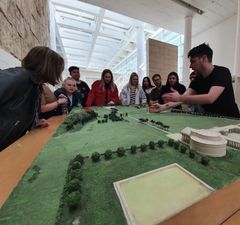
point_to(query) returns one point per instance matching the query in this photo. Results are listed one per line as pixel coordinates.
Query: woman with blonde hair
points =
(132, 93)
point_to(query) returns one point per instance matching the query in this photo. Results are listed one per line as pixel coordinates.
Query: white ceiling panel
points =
(98, 33)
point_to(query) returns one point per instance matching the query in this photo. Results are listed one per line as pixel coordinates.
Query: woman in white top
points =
(132, 93)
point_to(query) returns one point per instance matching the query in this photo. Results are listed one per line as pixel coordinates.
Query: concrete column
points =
(236, 70)
(141, 53)
(52, 27)
(187, 48)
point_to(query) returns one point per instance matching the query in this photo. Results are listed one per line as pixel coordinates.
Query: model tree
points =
(192, 154)
(160, 143)
(95, 157)
(143, 147)
(176, 145)
(120, 151)
(205, 160)
(108, 154)
(183, 149)
(73, 200)
(76, 165)
(73, 185)
(151, 145)
(133, 149)
(75, 174)
(170, 142)
(79, 158)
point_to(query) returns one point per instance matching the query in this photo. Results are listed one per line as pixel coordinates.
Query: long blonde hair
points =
(133, 74)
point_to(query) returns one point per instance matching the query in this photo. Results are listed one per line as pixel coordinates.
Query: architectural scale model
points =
(213, 141)
(231, 133)
(159, 192)
(79, 190)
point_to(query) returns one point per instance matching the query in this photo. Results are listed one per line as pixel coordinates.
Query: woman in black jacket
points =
(173, 84)
(20, 91)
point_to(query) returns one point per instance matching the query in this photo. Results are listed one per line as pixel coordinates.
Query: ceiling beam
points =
(67, 25)
(76, 6)
(189, 6)
(95, 34)
(60, 43)
(75, 39)
(125, 43)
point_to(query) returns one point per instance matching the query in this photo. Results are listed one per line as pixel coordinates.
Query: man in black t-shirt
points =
(81, 85)
(212, 88)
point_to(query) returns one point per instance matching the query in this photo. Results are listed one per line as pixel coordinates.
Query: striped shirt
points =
(132, 96)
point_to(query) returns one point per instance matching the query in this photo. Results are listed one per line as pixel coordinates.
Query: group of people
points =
(75, 92)
(211, 86)
(25, 97)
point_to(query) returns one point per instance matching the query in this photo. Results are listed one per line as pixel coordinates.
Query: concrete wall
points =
(162, 58)
(24, 24)
(221, 39)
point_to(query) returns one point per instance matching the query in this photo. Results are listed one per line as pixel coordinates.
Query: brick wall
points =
(162, 58)
(24, 24)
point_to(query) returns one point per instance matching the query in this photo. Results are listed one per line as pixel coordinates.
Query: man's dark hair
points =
(71, 68)
(201, 50)
(47, 64)
(156, 75)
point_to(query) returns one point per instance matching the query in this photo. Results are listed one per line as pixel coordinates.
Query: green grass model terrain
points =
(36, 198)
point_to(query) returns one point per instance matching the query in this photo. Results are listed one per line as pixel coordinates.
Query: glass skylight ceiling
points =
(94, 38)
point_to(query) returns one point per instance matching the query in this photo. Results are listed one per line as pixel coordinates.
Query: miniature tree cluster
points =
(121, 151)
(71, 195)
(113, 116)
(72, 188)
(192, 154)
(158, 124)
(78, 118)
(197, 113)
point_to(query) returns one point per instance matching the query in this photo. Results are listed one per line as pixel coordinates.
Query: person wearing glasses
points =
(156, 93)
(212, 88)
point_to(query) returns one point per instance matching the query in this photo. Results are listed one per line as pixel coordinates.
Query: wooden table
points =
(16, 159)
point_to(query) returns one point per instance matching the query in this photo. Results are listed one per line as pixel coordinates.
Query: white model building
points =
(231, 133)
(213, 141)
(206, 142)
